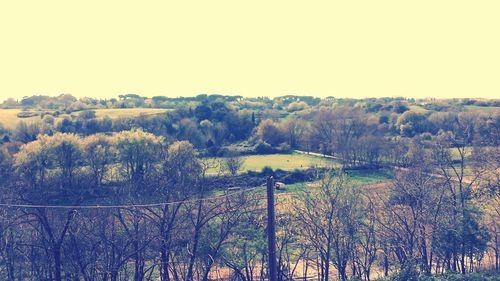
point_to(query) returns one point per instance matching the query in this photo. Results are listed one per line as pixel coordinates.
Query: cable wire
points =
(162, 204)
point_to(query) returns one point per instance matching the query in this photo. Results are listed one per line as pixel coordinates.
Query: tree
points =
(65, 152)
(182, 167)
(268, 131)
(203, 111)
(26, 132)
(330, 221)
(138, 153)
(32, 163)
(460, 186)
(412, 123)
(294, 129)
(99, 153)
(337, 130)
(415, 211)
(232, 163)
(6, 165)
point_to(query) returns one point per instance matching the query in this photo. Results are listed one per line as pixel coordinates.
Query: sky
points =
(426, 48)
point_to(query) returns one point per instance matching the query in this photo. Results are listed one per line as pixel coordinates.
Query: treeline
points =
(208, 126)
(367, 132)
(68, 103)
(358, 139)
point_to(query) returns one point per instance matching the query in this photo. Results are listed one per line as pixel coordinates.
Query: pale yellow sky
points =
(429, 48)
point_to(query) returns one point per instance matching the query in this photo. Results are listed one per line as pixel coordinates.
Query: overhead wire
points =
(124, 206)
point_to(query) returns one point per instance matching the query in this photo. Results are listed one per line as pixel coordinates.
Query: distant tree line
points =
(365, 131)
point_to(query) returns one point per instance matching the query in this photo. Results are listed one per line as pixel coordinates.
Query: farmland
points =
(9, 118)
(287, 162)
(127, 112)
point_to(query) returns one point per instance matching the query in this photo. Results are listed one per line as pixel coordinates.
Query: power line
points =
(162, 204)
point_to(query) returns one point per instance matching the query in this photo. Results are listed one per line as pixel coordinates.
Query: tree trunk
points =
(114, 275)
(194, 249)
(57, 263)
(386, 265)
(164, 263)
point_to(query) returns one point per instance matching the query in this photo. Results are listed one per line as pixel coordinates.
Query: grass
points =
(286, 162)
(303, 161)
(490, 109)
(8, 117)
(127, 112)
(367, 177)
(356, 178)
(417, 108)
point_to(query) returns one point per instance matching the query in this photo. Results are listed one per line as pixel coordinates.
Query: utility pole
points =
(271, 230)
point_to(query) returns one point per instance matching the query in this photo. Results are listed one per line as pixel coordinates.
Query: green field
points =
(490, 109)
(8, 117)
(127, 112)
(286, 162)
(418, 108)
(356, 178)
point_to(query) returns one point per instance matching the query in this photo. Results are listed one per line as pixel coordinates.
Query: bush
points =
(27, 114)
(267, 171)
(284, 147)
(408, 272)
(263, 147)
(298, 176)
(87, 114)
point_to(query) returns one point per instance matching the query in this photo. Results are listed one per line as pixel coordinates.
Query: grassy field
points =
(8, 117)
(418, 108)
(357, 178)
(304, 161)
(286, 162)
(367, 179)
(127, 112)
(490, 109)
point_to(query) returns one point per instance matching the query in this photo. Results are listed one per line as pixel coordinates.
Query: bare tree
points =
(232, 162)
(330, 221)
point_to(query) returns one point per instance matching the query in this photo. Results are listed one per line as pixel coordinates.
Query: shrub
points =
(26, 114)
(263, 147)
(267, 171)
(408, 272)
(284, 147)
(87, 114)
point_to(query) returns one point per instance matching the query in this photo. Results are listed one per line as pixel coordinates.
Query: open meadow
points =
(287, 162)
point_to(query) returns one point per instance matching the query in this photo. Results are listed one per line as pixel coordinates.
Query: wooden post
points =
(271, 230)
